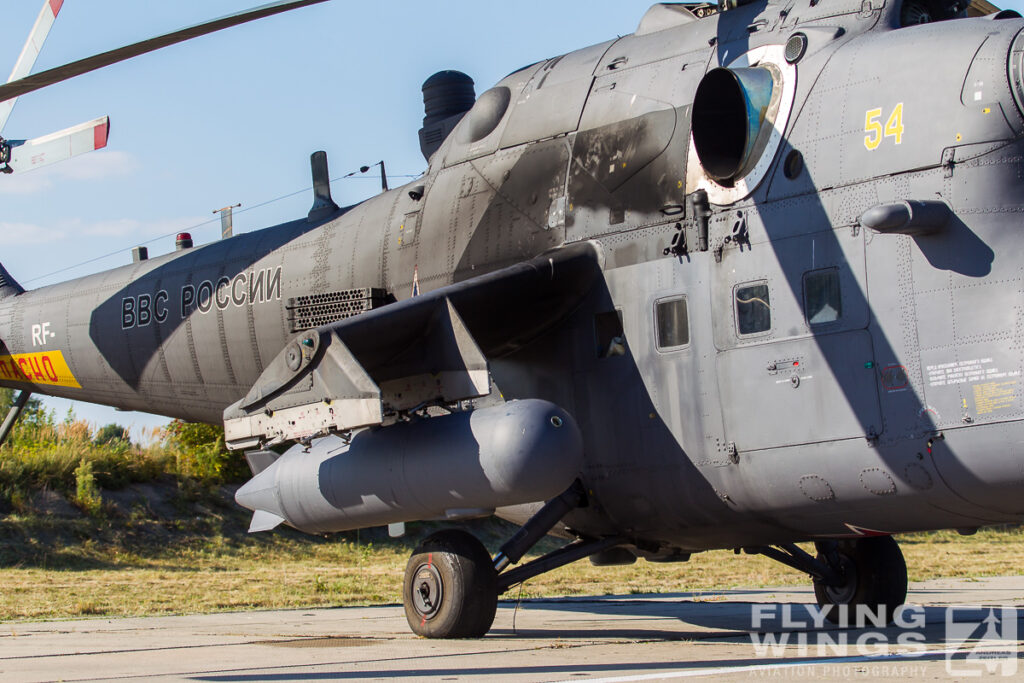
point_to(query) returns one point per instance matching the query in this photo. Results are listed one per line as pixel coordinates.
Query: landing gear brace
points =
(13, 414)
(452, 584)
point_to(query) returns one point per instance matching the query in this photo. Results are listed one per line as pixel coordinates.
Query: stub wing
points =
(27, 155)
(427, 349)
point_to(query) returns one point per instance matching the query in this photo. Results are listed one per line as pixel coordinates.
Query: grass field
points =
(88, 567)
(92, 525)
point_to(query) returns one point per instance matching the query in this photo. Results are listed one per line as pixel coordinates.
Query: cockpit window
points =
(753, 308)
(823, 300)
(915, 12)
(670, 318)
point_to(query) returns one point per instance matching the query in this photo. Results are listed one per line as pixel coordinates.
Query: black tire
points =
(876, 576)
(450, 588)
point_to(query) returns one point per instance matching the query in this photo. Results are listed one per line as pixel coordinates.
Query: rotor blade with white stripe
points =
(27, 155)
(29, 53)
(62, 73)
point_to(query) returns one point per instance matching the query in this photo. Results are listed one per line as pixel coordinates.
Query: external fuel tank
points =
(458, 465)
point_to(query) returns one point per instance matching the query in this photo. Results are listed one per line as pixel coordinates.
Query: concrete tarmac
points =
(737, 635)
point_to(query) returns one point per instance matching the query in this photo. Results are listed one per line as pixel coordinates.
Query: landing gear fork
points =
(850, 576)
(452, 585)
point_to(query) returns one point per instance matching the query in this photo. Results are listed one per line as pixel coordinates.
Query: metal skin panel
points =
(531, 180)
(993, 481)
(453, 206)
(458, 147)
(402, 251)
(698, 446)
(880, 11)
(627, 174)
(798, 392)
(552, 102)
(860, 90)
(956, 303)
(681, 434)
(504, 209)
(663, 16)
(629, 158)
(629, 93)
(826, 486)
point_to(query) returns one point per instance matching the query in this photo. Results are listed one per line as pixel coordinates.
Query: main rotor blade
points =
(34, 43)
(62, 73)
(27, 155)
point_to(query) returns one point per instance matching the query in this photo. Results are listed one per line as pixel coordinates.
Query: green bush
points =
(73, 459)
(87, 493)
(200, 453)
(33, 418)
(112, 434)
(51, 456)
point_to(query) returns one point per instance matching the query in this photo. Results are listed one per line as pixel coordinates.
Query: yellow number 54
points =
(875, 132)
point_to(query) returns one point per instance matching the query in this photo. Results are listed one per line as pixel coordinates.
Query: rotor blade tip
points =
(100, 133)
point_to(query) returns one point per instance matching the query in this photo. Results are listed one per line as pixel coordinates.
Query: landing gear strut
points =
(850, 576)
(14, 413)
(452, 585)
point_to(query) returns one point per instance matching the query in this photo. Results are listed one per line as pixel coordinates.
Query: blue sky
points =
(232, 117)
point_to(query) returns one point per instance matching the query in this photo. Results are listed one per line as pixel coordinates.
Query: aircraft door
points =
(796, 362)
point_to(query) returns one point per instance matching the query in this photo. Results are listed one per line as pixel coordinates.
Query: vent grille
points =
(315, 310)
(795, 47)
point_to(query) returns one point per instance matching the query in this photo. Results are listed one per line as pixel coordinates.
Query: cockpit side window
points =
(672, 323)
(753, 308)
(823, 300)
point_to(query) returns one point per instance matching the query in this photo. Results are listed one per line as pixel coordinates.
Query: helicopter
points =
(744, 278)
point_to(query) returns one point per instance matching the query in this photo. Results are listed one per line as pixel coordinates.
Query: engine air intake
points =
(447, 96)
(729, 109)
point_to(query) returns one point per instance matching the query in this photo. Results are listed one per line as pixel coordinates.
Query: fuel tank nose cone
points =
(261, 492)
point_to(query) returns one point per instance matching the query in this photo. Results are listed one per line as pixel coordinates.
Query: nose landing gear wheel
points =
(875, 577)
(450, 588)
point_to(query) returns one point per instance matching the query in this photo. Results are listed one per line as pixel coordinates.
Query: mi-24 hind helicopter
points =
(747, 277)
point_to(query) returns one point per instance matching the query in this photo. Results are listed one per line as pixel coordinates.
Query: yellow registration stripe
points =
(44, 367)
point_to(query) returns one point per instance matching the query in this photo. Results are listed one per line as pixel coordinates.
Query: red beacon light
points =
(183, 241)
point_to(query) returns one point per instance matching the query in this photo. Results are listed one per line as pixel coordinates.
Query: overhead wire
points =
(197, 226)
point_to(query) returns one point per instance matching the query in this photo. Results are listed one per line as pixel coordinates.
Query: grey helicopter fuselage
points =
(812, 359)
